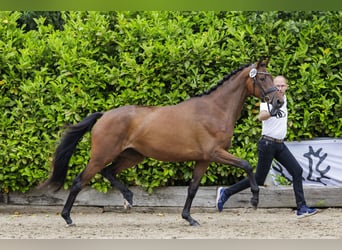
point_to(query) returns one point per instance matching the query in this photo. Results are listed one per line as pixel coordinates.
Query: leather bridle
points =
(264, 93)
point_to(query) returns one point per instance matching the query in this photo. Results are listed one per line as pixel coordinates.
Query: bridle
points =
(264, 93)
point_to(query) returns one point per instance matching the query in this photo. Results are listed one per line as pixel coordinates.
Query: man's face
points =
(281, 84)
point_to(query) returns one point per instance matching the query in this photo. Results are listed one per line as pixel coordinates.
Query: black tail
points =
(67, 147)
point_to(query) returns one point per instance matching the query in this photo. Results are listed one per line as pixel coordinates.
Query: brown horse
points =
(198, 129)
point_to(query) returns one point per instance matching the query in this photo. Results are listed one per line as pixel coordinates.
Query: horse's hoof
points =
(71, 225)
(127, 205)
(254, 203)
(194, 224)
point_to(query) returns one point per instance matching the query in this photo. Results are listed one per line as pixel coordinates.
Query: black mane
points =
(225, 78)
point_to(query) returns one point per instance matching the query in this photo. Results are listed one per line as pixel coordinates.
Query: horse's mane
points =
(225, 78)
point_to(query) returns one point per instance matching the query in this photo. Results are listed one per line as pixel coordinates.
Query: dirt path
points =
(19, 222)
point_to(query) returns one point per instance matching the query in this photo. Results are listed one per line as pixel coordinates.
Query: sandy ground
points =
(20, 222)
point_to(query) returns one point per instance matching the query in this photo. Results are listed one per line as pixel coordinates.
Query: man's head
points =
(281, 83)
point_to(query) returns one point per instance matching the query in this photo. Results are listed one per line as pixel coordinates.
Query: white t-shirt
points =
(275, 127)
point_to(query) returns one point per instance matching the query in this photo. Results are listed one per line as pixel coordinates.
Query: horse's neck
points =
(230, 98)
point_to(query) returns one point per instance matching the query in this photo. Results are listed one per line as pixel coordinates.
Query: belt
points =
(272, 139)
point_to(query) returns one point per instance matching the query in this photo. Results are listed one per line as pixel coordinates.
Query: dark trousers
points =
(267, 151)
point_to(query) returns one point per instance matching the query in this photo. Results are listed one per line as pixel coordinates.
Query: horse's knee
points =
(247, 167)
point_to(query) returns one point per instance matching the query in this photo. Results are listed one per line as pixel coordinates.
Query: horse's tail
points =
(66, 148)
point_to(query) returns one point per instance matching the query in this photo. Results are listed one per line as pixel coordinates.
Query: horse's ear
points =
(263, 61)
(268, 59)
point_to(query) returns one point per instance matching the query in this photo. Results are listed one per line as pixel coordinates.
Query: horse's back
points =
(125, 116)
(135, 116)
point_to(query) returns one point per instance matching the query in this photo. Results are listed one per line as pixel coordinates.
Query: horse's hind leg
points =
(80, 181)
(74, 190)
(107, 172)
(128, 158)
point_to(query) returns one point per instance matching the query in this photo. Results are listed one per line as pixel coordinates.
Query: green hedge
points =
(52, 75)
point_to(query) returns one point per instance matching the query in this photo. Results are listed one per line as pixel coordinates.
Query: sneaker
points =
(221, 198)
(305, 211)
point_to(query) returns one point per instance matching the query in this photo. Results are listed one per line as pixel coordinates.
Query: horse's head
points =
(261, 85)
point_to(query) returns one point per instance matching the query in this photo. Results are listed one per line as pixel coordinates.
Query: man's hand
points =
(277, 113)
(274, 112)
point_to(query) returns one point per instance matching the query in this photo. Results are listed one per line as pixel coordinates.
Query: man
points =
(271, 146)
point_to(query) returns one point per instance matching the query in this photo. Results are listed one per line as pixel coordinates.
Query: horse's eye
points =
(262, 79)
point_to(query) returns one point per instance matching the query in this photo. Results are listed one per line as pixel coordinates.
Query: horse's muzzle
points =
(277, 100)
(279, 103)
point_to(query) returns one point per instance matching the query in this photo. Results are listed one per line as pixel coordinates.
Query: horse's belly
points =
(169, 155)
(168, 148)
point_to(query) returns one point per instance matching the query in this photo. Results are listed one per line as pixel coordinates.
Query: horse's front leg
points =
(254, 186)
(254, 189)
(199, 170)
(222, 156)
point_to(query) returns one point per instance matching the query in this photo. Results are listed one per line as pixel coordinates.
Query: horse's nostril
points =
(280, 103)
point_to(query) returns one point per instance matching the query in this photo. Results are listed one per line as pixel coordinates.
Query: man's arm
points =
(264, 115)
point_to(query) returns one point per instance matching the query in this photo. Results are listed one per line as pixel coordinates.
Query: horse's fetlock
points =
(66, 216)
(255, 190)
(185, 215)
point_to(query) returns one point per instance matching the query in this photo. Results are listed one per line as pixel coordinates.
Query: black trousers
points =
(267, 151)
